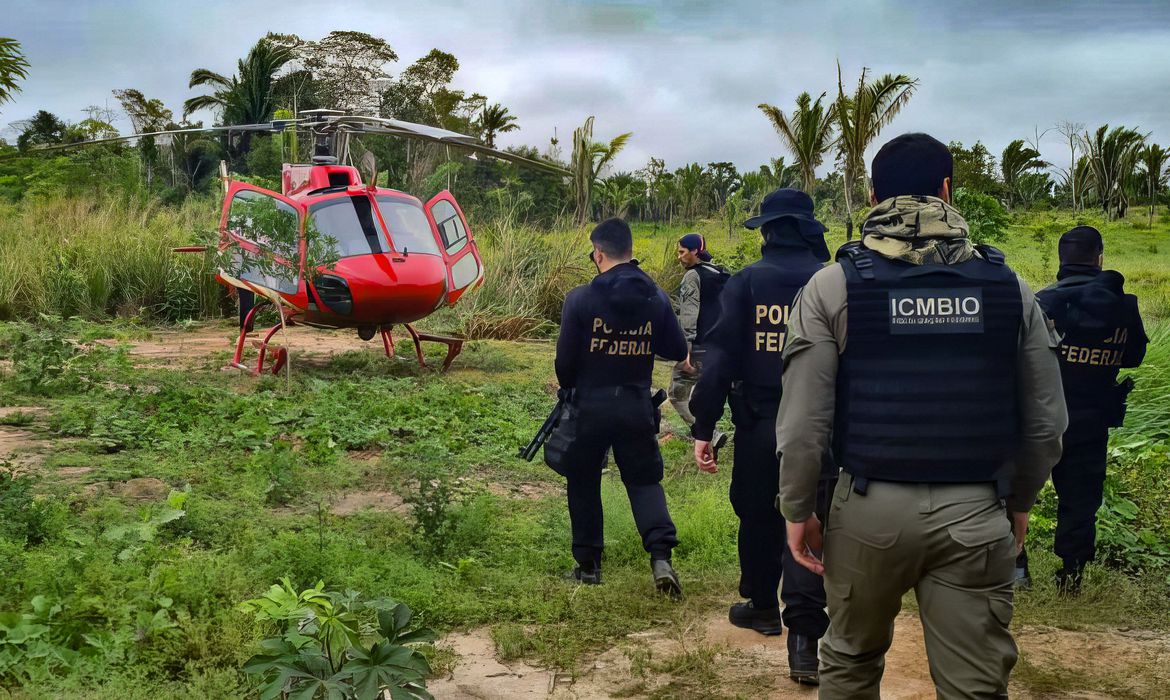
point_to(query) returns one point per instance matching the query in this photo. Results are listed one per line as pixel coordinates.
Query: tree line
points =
(283, 75)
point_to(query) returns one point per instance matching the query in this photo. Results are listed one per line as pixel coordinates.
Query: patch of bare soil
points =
(136, 490)
(364, 455)
(478, 675)
(1132, 664)
(525, 491)
(73, 473)
(18, 445)
(195, 345)
(377, 501)
(732, 662)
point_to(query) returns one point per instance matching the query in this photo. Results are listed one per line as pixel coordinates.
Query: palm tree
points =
(245, 98)
(690, 183)
(1154, 159)
(589, 159)
(13, 67)
(1018, 160)
(860, 118)
(620, 192)
(1113, 157)
(496, 119)
(808, 134)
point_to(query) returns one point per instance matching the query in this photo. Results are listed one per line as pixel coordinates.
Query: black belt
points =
(611, 391)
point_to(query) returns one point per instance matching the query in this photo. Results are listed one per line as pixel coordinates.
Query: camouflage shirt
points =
(688, 304)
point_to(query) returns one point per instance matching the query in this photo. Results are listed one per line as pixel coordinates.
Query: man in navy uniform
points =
(611, 329)
(744, 361)
(1102, 333)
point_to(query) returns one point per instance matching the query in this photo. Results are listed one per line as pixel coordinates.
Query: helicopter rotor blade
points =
(274, 127)
(430, 134)
(326, 122)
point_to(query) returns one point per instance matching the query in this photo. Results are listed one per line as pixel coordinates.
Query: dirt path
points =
(194, 346)
(713, 659)
(20, 446)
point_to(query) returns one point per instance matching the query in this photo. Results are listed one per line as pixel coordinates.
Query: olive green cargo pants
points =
(952, 544)
(681, 386)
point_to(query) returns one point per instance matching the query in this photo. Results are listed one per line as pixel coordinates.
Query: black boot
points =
(749, 617)
(1023, 578)
(589, 575)
(665, 579)
(1068, 579)
(803, 665)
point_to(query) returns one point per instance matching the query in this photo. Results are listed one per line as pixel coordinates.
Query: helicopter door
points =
(460, 253)
(263, 228)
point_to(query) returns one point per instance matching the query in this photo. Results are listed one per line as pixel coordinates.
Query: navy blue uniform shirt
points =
(747, 340)
(612, 328)
(1102, 332)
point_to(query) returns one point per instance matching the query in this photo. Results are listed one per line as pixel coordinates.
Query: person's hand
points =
(804, 540)
(687, 367)
(1020, 530)
(705, 457)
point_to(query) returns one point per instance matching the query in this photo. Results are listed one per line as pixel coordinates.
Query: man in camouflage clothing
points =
(698, 309)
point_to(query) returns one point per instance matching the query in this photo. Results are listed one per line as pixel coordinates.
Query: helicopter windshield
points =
(351, 221)
(409, 229)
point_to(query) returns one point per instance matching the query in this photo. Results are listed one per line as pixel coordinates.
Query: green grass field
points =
(275, 472)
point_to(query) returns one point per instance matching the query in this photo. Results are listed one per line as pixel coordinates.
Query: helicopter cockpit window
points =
(272, 225)
(409, 230)
(450, 225)
(349, 220)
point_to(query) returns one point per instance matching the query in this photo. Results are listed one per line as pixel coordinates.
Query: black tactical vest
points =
(711, 282)
(926, 387)
(1091, 314)
(773, 286)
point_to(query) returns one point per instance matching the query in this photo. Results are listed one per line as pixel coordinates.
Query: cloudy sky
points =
(684, 75)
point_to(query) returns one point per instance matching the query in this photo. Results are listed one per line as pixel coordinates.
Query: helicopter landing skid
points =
(278, 353)
(454, 345)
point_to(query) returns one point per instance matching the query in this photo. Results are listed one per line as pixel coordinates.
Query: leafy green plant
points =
(25, 640)
(24, 517)
(49, 639)
(43, 359)
(18, 418)
(147, 528)
(279, 466)
(329, 647)
(986, 217)
(434, 506)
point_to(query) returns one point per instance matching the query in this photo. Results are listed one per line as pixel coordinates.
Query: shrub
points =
(24, 518)
(986, 217)
(326, 645)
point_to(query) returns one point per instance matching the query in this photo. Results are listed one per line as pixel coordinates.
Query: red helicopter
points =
(397, 259)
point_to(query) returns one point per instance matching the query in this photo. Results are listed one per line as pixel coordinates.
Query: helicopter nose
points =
(384, 288)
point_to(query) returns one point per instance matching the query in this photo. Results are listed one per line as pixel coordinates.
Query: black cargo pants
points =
(765, 563)
(1079, 479)
(624, 420)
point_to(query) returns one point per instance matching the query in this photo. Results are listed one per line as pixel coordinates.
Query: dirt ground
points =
(741, 663)
(193, 347)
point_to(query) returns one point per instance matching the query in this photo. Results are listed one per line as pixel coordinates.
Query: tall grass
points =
(528, 274)
(97, 259)
(101, 258)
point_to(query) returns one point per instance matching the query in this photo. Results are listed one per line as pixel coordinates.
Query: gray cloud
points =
(685, 77)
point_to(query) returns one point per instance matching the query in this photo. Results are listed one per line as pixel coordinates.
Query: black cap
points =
(786, 202)
(1082, 244)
